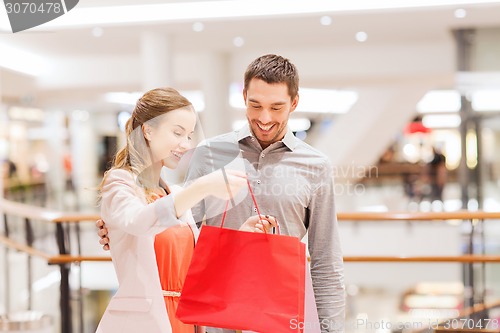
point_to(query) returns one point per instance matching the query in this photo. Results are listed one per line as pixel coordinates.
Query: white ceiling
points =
(401, 31)
(382, 26)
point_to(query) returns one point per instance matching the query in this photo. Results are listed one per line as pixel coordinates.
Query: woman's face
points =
(171, 138)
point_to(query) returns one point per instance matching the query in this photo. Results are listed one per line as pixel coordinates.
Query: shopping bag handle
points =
(256, 207)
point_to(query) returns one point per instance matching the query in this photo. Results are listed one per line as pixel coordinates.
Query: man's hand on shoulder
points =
(103, 234)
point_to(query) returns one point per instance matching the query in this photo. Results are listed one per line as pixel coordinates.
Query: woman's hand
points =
(254, 223)
(223, 184)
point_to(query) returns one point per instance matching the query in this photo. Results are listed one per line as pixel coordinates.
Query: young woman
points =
(137, 206)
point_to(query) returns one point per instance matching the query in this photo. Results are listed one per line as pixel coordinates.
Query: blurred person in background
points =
(437, 174)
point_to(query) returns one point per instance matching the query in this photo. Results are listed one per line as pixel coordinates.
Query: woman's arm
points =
(123, 207)
(215, 183)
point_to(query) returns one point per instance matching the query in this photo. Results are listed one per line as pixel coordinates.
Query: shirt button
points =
(258, 181)
(262, 155)
(255, 210)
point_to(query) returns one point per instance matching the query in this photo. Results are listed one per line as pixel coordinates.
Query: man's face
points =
(268, 109)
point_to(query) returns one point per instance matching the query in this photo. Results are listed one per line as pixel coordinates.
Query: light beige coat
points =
(138, 305)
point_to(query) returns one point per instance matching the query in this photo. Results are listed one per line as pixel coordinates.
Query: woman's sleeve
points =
(123, 208)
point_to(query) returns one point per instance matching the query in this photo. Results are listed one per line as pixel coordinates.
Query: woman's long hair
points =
(136, 155)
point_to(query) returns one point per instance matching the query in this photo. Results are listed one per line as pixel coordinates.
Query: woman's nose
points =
(185, 143)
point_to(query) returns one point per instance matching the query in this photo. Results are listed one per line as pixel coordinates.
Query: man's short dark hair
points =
(272, 68)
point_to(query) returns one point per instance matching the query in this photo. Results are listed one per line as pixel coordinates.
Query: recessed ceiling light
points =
(238, 41)
(97, 32)
(198, 26)
(325, 20)
(361, 36)
(460, 13)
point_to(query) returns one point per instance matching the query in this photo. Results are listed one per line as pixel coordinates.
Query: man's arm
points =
(327, 268)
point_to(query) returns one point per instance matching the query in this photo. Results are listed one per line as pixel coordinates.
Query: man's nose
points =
(265, 116)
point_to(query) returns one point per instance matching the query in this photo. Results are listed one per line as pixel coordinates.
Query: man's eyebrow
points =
(276, 103)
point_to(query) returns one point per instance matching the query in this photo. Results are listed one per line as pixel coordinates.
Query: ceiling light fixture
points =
(460, 13)
(97, 32)
(198, 26)
(238, 41)
(22, 61)
(361, 36)
(325, 20)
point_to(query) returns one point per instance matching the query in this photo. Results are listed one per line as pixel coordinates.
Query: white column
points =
(217, 117)
(84, 158)
(56, 178)
(156, 71)
(156, 60)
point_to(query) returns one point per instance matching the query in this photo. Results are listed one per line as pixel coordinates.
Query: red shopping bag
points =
(245, 281)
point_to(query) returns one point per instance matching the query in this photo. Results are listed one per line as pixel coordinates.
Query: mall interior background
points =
(379, 89)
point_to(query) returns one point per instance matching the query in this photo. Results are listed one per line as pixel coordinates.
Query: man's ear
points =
(295, 102)
(245, 96)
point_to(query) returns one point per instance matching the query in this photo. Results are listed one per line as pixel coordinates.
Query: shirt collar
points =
(288, 140)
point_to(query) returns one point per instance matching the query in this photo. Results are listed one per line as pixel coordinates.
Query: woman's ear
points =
(146, 131)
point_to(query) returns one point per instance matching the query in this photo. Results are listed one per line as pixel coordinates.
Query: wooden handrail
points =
(76, 217)
(24, 248)
(56, 216)
(24, 210)
(63, 259)
(51, 259)
(67, 259)
(466, 313)
(44, 214)
(413, 259)
(417, 216)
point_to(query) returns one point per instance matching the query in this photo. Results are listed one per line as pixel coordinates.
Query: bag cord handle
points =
(256, 207)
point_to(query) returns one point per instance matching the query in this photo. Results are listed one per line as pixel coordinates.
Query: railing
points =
(65, 223)
(476, 222)
(475, 219)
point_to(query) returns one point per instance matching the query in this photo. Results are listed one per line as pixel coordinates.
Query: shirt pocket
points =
(130, 304)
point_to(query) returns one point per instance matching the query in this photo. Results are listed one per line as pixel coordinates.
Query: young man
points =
(291, 180)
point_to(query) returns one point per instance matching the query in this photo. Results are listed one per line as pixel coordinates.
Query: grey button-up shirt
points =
(293, 182)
